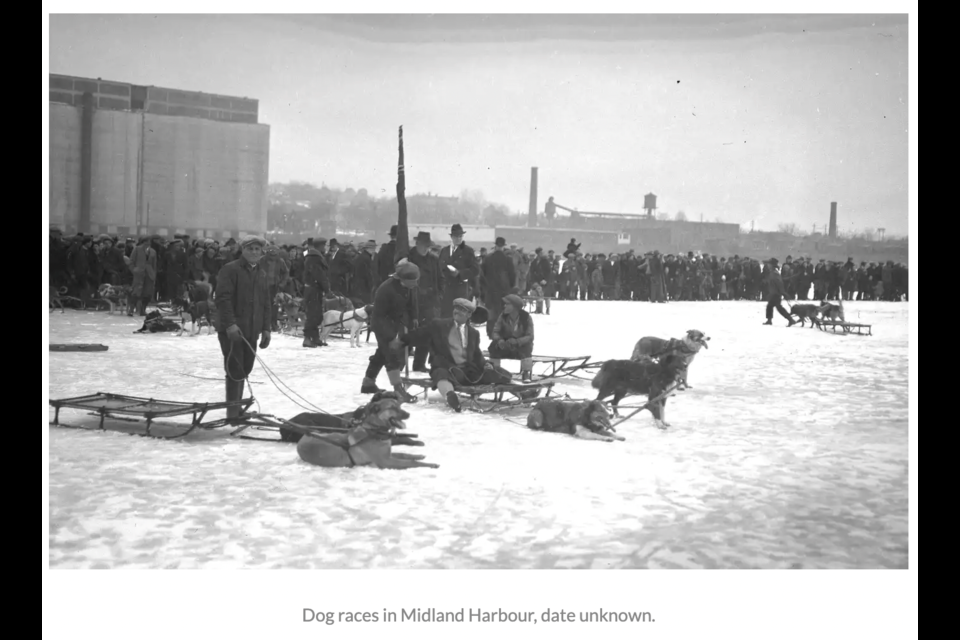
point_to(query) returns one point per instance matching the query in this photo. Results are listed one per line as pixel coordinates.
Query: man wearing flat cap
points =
(393, 313)
(458, 264)
(316, 283)
(499, 277)
(428, 292)
(456, 356)
(243, 309)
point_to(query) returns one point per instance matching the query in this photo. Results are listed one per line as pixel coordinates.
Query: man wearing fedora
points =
(363, 272)
(458, 264)
(316, 282)
(384, 262)
(428, 291)
(499, 279)
(393, 313)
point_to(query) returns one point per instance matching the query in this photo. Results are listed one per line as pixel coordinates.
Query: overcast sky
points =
(745, 118)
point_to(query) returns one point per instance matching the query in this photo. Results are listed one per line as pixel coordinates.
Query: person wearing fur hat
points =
(512, 336)
(458, 264)
(456, 357)
(393, 313)
(316, 283)
(243, 309)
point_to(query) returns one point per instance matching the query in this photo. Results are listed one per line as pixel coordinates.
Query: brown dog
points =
(806, 312)
(367, 444)
(620, 378)
(686, 348)
(588, 419)
(832, 311)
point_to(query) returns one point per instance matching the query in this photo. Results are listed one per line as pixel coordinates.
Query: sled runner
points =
(554, 367)
(845, 327)
(504, 396)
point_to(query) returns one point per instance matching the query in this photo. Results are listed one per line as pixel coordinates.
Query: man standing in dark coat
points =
(316, 282)
(176, 270)
(499, 279)
(243, 308)
(429, 292)
(384, 262)
(339, 268)
(458, 264)
(363, 274)
(655, 266)
(393, 312)
(775, 293)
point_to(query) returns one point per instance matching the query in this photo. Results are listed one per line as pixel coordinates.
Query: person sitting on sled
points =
(513, 336)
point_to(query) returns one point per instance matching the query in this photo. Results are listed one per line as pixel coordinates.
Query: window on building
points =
(138, 98)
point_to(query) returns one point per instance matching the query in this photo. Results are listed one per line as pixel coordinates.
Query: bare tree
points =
(680, 216)
(790, 228)
(663, 216)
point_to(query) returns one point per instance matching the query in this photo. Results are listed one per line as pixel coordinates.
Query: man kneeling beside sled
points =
(455, 354)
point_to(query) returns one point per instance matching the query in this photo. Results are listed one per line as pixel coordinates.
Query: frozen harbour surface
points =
(790, 451)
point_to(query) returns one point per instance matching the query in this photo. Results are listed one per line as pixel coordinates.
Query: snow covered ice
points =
(789, 451)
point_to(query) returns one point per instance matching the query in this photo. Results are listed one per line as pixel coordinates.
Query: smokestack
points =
(833, 219)
(532, 213)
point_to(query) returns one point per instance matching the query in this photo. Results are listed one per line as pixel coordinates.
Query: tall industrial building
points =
(128, 159)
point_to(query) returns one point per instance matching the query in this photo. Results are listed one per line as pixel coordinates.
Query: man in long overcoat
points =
(499, 278)
(458, 264)
(243, 309)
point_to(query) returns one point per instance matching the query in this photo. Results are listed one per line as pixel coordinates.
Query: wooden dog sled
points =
(845, 327)
(555, 367)
(116, 407)
(502, 396)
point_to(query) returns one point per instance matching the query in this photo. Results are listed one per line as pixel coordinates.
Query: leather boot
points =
(232, 396)
(309, 343)
(398, 388)
(369, 386)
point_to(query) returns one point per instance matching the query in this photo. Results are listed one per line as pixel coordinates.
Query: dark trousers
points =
(656, 289)
(773, 302)
(384, 356)
(314, 303)
(238, 358)
(428, 311)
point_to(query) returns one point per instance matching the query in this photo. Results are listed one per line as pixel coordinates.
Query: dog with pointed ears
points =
(587, 420)
(686, 349)
(367, 444)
